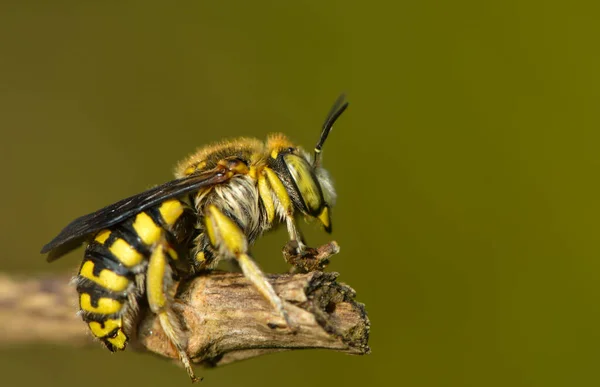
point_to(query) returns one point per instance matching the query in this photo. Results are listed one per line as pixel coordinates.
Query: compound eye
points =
(304, 179)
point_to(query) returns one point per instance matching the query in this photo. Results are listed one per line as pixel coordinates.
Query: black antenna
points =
(336, 111)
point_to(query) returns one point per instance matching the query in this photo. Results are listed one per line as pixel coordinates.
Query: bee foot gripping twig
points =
(308, 259)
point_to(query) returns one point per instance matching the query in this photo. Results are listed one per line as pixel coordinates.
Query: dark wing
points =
(78, 230)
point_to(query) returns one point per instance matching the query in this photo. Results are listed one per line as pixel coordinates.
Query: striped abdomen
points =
(111, 277)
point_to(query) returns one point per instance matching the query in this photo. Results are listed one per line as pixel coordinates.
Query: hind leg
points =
(229, 240)
(158, 290)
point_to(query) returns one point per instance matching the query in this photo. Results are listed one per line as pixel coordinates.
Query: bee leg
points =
(276, 200)
(158, 290)
(230, 241)
(275, 195)
(296, 238)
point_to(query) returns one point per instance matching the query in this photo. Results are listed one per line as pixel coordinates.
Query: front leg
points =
(303, 258)
(276, 200)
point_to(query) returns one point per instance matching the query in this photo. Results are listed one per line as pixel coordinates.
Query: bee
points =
(224, 197)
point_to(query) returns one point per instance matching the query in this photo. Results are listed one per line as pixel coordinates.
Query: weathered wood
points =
(225, 317)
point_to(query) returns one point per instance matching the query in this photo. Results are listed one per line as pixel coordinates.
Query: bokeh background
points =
(467, 169)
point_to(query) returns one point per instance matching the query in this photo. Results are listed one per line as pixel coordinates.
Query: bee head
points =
(308, 184)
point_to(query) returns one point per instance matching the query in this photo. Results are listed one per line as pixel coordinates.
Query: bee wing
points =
(78, 230)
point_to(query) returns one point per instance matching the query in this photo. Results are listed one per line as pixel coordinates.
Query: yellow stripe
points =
(105, 305)
(265, 194)
(107, 279)
(146, 229)
(109, 326)
(170, 211)
(279, 189)
(102, 236)
(119, 340)
(125, 253)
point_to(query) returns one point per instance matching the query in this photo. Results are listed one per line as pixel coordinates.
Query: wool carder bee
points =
(224, 197)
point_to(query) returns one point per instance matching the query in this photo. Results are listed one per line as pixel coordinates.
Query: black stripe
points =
(110, 335)
(126, 232)
(86, 285)
(89, 316)
(96, 292)
(185, 227)
(154, 213)
(104, 259)
(179, 234)
(182, 253)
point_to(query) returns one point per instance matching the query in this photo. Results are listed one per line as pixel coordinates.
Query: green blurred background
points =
(466, 168)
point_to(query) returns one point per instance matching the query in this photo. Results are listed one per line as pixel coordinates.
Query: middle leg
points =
(230, 242)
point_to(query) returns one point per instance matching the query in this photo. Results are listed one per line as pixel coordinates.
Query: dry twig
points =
(226, 318)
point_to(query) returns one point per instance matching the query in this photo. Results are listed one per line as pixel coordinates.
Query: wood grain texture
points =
(224, 316)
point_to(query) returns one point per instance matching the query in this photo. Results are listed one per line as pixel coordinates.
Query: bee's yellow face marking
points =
(146, 229)
(125, 253)
(200, 258)
(107, 279)
(325, 219)
(102, 236)
(170, 211)
(105, 305)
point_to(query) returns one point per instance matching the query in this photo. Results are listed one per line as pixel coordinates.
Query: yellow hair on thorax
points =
(210, 154)
(276, 142)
